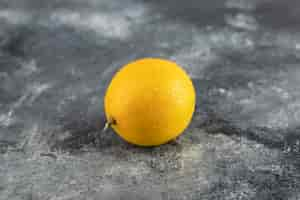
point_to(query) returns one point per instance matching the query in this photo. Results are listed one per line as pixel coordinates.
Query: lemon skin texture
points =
(151, 101)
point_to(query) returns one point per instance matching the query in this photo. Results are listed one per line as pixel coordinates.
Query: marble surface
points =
(57, 57)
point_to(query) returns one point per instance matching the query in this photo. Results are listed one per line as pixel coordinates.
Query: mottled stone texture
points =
(57, 57)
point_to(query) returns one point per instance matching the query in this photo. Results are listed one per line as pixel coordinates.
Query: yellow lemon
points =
(150, 101)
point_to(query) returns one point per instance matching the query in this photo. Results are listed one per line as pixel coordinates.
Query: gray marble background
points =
(57, 57)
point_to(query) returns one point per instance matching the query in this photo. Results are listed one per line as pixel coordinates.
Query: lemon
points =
(150, 101)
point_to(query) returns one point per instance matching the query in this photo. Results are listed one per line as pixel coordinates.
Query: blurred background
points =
(57, 58)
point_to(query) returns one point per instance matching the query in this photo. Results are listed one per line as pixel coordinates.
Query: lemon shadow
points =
(78, 135)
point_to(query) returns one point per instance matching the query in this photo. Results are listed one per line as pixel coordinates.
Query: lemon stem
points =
(108, 124)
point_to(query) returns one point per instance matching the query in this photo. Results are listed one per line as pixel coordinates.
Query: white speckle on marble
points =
(222, 90)
(37, 89)
(281, 92)
(271, 103)
(20, 101)
(294, 109)
(297, 46)
(287, 40)
(249, 42)
(94, 100)
(254, 156)
(27, 68)
(75, 72)
(136, 12)
(14, 16)
(73, 182)
(111, 25)
(243, 21)
(139, 170)
(69, 195)
(71, 97)
(63, 135)
(241, 4)
(7, 119)
(32, 139)
(190, 154)
(244, 190)
(250, 85)
(246, 101)
(104, 24)
(196, 58)
(30, 95)
(227, 38)
(297, 146)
